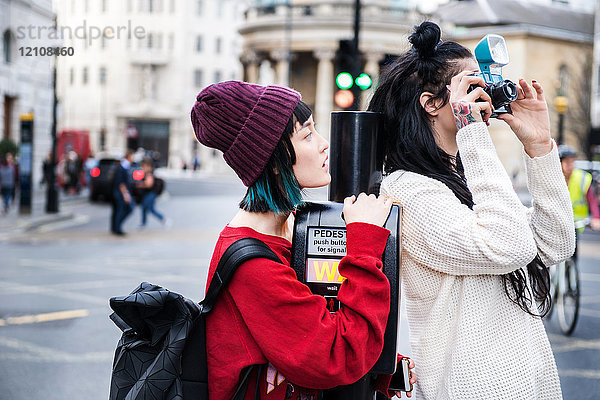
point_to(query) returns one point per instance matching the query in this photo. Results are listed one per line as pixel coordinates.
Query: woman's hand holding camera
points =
(369, 209)
(469, 106)
(529, 119)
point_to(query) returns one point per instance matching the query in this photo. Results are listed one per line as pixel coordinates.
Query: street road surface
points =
(57, 343)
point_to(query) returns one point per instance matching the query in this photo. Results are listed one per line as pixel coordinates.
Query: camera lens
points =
(502, 93)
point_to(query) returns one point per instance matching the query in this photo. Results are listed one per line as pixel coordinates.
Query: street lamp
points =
(561, 103)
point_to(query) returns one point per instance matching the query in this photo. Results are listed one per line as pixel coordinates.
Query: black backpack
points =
(159, 185)
(162, 352)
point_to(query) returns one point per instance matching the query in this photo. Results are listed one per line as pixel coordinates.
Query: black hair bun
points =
(424, 39)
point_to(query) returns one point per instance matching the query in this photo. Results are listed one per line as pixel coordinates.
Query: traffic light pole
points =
(51, 190)
(356, 61)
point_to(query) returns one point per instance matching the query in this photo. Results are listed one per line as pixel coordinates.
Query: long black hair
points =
(410, 138)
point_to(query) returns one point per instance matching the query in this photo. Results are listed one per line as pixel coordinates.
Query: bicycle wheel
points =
(567, 304)
(553, 290)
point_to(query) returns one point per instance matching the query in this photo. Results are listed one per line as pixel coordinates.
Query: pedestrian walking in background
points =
(266, 316)
(90, 163)
(474, 259)
(122, 199)
(9, 181)
(196, 161)
(73, 168)
(47, 169)
(149, 192)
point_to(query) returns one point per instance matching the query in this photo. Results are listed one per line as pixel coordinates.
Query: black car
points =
(102, 178)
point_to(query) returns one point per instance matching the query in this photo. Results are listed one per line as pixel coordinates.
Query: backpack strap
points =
(238, 253)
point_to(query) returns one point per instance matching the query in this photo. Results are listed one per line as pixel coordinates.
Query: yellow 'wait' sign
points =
(323, 270)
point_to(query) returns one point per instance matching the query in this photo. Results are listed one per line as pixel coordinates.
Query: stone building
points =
(595, 89)
(302, 37)
(26, 81)
(549, 43)
(139, 66)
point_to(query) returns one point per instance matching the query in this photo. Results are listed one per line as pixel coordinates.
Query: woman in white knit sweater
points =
(473, 257)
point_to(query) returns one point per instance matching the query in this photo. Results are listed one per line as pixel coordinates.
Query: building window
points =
(218, 44)
(219, 9)
(159, 38)
(84, 77)
(198, 78)
(563, 79)
(86, 6)
(7, 46)
(172, 6)
(171, 41)
(218, 76)
(598, 79)
(103, 6)
(129, 5)
(150, 6)
(102, 75)
(73, 6)
(72, 76)
(150, 40)
(198, 44)
(199, 7)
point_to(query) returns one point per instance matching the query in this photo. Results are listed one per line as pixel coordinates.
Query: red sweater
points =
(266, 316)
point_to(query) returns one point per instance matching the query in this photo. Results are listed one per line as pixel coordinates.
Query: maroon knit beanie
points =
(244, 121)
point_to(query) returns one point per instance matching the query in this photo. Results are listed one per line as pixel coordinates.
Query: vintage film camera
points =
(491, 54)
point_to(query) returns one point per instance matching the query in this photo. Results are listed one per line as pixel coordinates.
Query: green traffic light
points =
(364, 81)
(344, 80)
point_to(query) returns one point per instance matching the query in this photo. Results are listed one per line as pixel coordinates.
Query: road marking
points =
(18, 288)
(588, 249)
(26, 351)
(587, 276)
(580, 373)
(569, 344)
(590, 299)
(45, 317)
(589, 313)
(53, 226)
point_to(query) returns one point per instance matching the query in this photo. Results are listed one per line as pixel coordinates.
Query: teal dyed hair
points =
(277, 188)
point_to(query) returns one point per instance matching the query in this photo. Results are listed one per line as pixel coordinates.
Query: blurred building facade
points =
(138, 68)
(551, 43)
(595, 85)
(581, 5)
(26, 81)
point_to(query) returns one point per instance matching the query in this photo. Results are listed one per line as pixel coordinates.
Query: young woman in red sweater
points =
(266, 316)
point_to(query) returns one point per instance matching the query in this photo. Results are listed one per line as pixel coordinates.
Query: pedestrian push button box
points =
(318, 246)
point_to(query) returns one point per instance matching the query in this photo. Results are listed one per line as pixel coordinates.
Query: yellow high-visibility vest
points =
(579, 184)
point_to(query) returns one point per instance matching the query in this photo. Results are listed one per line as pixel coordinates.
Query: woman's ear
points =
(428, 104)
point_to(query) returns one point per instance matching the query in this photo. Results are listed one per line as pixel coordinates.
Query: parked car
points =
(102, 178)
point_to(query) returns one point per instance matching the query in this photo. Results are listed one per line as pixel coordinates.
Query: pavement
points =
(16, 223)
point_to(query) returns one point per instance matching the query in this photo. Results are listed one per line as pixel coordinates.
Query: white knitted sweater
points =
(469, 341)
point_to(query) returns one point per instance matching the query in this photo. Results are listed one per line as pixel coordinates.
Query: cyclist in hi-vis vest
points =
(581, 190)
